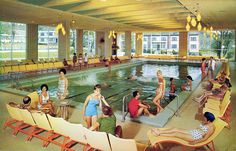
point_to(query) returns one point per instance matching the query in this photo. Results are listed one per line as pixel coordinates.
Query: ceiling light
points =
(199, 17)
(73, 21)
(193, 22)
(188, 27)
(199, 27)
(188, 18)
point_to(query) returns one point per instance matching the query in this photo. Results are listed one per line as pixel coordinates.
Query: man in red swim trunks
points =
(136, 108)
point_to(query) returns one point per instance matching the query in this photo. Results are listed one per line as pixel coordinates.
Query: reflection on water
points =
(146, 82)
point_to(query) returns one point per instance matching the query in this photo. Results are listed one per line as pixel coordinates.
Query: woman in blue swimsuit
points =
(90, 105)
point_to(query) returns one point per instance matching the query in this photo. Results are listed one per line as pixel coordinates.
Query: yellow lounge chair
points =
(118, 144)
(219, 125)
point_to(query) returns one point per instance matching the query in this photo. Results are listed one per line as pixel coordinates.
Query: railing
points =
(124, 107)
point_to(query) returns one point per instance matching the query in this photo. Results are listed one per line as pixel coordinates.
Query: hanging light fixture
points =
(199, 27)
(188, 27)
(193, 22)
(110, 34)
(211, 28)
(199, 17)
(204, 28)
(60, 27)
(113, 34)
(188, 18)
(140, 36)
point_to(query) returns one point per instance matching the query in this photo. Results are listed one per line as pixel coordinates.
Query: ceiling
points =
(121, 15)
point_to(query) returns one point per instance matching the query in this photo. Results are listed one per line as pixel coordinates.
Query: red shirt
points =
(133, 107)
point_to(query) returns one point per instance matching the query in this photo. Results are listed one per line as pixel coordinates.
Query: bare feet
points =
(155, 132)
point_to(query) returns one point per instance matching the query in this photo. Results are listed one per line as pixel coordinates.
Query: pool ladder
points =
(125, 107)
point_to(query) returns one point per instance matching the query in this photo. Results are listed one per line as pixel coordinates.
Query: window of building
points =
(193, 38)
(12, 41)
(174, 46)
(121, 44)
(193, 46)
(174, 38)
(47, 43)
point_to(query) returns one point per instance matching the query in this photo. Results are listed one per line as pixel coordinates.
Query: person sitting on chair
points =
(217, 93)
(194, 136)
(45, 104)
(136, 108)
(107, 123)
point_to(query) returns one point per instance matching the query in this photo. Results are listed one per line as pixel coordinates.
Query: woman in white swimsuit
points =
(200, 134)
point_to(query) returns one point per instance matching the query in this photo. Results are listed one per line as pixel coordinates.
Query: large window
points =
(203, 44)
(133, 43)
(72, 42)
(161, 43)
(121, 44)
(12, 41)
(89, 42)
(47, 42)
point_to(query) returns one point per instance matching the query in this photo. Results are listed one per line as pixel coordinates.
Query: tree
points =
(223, 43)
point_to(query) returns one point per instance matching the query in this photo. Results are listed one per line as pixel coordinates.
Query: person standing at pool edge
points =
(160, 91)
(90, 105)
(62, 93)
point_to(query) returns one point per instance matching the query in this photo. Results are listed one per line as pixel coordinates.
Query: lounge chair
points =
(118, 144)
(219, 125)
(15, 119)
(97, 140)
(42, 125)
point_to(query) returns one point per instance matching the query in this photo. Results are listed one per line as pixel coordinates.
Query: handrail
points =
(123, 107)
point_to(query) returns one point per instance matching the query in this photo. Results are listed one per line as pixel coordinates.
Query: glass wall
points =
(72, 42)
(133, 43)
(121, 44)
(202, 44)
(161, 43)
(12, 41)
(47, 42)
(89, 42)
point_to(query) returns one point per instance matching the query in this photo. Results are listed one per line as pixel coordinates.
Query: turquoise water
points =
(81, 86)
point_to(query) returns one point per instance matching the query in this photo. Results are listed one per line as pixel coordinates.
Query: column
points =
(79, 41)
(32, 42)
(139, 43)
(100, 43)
(64, 42)
(183, 44)
(108, 45)
(128, 43)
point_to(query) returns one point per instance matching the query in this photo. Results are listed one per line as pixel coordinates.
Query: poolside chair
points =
(219, 125)
(27, 122)
(43, 125)
(15, 119)
(62, 128)
(118, 144)
(97, 140)
(216, 104)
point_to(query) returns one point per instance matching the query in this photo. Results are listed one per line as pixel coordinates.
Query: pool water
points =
(81, 86)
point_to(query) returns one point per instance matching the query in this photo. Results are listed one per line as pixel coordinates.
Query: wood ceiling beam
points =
(52, 3)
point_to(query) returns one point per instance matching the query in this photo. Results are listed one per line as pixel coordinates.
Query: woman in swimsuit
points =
(90, 105)
(200, 134)
(160, 91)
(45, 104)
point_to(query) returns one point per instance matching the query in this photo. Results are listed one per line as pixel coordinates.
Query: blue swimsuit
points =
(91, 109)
